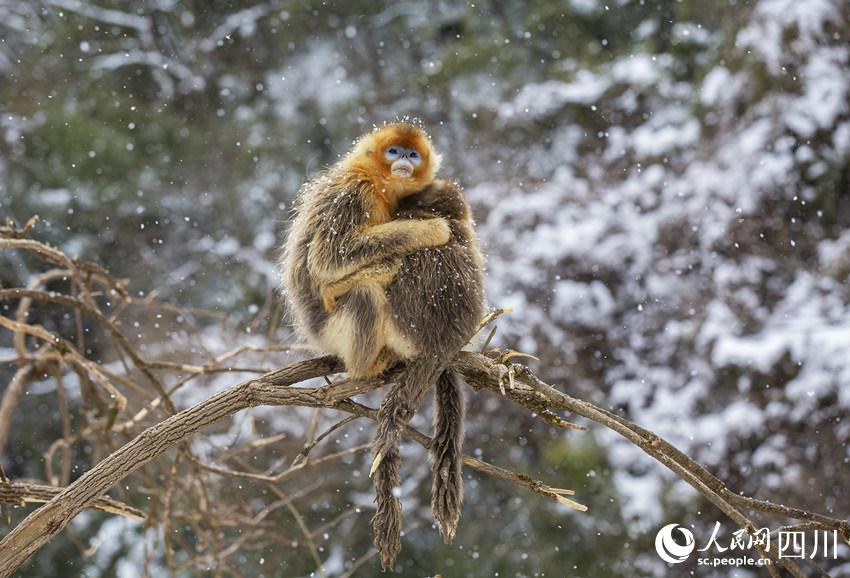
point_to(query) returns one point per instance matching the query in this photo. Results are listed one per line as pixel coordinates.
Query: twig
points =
(302, 455)
(11, 398)
(274, 479)
(474, 463)
(492, 316)
(372, 552)
(20, 493)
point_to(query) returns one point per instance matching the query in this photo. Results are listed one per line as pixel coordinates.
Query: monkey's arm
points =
(380, 274)
(398, 238)
(331, 259)
(441, 199)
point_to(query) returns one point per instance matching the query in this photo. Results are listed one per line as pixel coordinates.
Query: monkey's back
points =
(437, 297)
(298, 288)
(324, 203)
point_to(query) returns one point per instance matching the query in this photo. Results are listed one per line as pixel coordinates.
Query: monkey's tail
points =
(398, 408)
(386, 523)
(445, 450)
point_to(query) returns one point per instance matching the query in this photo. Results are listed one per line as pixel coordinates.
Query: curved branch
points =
(274, 389)
(11, 398)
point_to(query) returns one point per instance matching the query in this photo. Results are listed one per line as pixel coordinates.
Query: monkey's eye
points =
(414, 157)
(392, 153)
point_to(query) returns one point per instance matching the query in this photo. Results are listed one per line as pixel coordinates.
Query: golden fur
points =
(366, 161)
(343, 224)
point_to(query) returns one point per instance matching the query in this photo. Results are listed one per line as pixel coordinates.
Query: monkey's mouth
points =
(402, 168)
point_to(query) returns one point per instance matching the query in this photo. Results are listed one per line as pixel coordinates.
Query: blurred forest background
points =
(662, 188)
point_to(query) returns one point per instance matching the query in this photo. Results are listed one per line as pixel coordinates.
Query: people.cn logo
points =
(671, 551)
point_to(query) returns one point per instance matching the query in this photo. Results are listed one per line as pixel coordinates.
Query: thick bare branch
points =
(273, 389)
(42, 525)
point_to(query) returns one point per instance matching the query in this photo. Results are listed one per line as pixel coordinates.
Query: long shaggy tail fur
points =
(446, 477)
(397, 409)
(386, 523)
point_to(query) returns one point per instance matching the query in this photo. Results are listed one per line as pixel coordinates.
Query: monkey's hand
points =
(328, 302)
(329, 295)
(433, 232)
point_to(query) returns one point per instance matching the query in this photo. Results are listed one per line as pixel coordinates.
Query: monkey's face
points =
(398, 158)
(403, 161)
(404, 156)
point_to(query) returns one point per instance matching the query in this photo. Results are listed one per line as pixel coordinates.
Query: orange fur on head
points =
(367, 160)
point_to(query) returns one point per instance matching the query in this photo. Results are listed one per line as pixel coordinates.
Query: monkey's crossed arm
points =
(348, 243)
(381, 274)
(447, 203)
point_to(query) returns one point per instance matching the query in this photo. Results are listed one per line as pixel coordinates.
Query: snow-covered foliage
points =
(681, 261)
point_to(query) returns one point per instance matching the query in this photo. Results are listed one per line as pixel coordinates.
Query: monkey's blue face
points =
(404, 160)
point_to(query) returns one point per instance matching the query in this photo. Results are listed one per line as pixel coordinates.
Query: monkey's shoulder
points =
(332, 200)
(439, 199)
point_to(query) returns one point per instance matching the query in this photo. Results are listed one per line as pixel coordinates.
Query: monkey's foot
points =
(382, 362)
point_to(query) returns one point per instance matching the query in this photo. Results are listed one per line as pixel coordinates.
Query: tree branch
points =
(11, 398)
(19, 493)
(275, 389)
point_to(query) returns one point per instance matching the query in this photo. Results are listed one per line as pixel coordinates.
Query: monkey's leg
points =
(330, 293)
(445, 450)
(354, 332)
(397, 409)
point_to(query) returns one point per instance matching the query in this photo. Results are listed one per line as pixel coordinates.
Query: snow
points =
(318, 78)
(538, 100)
(662, 238)
(827, 89)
